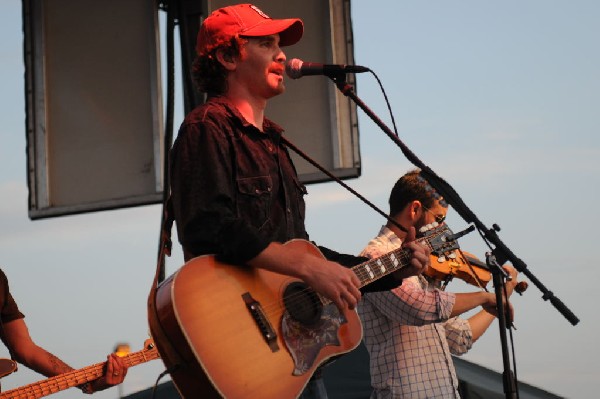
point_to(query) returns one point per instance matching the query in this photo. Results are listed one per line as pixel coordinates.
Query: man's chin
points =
(278, 90)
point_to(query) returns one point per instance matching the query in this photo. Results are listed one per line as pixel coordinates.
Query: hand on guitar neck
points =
(115, 370)
(420, 256)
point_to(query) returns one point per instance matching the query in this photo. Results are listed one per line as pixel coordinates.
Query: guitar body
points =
(234, 334)
(7, 366)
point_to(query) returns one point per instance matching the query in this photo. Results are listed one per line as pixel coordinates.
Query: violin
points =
(465, 266)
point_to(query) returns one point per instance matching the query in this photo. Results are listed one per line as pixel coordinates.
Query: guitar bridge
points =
(261, 321)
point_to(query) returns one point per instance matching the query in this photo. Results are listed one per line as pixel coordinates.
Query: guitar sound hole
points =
(302, 303)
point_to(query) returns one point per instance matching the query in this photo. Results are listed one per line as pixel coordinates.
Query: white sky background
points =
(500, 99)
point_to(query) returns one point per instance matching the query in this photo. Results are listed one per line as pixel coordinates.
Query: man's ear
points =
(226, 59)
(414, 208)
(416, 205)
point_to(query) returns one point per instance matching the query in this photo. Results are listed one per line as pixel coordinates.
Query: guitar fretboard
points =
(377, 268)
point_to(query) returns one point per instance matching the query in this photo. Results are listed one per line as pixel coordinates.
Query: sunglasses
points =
(438, 218)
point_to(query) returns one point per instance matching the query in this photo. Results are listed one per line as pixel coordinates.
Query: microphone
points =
(296, 68)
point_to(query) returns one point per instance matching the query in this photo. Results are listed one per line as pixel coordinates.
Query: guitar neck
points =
(377, 268)
(439, 240)
(73, 378)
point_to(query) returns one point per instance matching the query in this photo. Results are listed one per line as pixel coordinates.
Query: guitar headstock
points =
(149, 344)
(149, 352)
(150, 349)
(440, 239)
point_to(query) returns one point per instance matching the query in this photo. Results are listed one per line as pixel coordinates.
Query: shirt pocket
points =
(254, 199)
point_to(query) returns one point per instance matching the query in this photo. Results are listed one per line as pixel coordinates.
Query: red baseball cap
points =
(245, 20)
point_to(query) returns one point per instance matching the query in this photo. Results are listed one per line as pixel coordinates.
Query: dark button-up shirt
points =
(234, 188)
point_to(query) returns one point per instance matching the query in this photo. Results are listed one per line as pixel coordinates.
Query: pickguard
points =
(305, 342)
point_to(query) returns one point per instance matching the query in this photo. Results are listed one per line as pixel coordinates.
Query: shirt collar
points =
(268, 125)
(390, 236)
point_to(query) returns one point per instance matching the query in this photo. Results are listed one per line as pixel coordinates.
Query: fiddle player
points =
(235, 192)
(23, 349)
(411, 331)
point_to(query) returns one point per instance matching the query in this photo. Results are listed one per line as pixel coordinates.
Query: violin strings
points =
(472, 270)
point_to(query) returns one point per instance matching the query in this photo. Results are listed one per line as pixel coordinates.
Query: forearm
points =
(43, 362)
(291, 260)
(28, 353)
(479, 323)
(467, 301)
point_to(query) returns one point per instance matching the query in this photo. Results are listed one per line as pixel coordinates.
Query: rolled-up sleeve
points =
(459, 335)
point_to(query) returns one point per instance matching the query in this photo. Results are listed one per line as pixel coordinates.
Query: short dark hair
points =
(408, 188)
(209, 75)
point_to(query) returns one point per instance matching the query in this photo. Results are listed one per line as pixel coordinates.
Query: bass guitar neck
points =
(74, 378)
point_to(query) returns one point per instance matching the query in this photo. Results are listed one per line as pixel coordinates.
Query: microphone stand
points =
(499, 275)
(501, 252)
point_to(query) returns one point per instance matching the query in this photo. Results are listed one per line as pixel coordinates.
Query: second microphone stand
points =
(501, 252)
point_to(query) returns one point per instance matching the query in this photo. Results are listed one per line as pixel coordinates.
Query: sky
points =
(499, 98)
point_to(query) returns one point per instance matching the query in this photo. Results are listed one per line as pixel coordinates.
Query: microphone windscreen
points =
(293, 68)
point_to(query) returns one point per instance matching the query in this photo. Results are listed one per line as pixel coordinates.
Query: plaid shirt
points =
(408, 339)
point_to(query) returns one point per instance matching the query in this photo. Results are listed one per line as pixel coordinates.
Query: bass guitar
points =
(243, 332)
(76, 377)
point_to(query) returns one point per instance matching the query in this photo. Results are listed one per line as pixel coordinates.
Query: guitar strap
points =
(169, 354)
(164, 249)
(314, 163)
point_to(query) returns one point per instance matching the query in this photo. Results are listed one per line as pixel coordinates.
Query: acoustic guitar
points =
(243, 332)
(72, 378)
